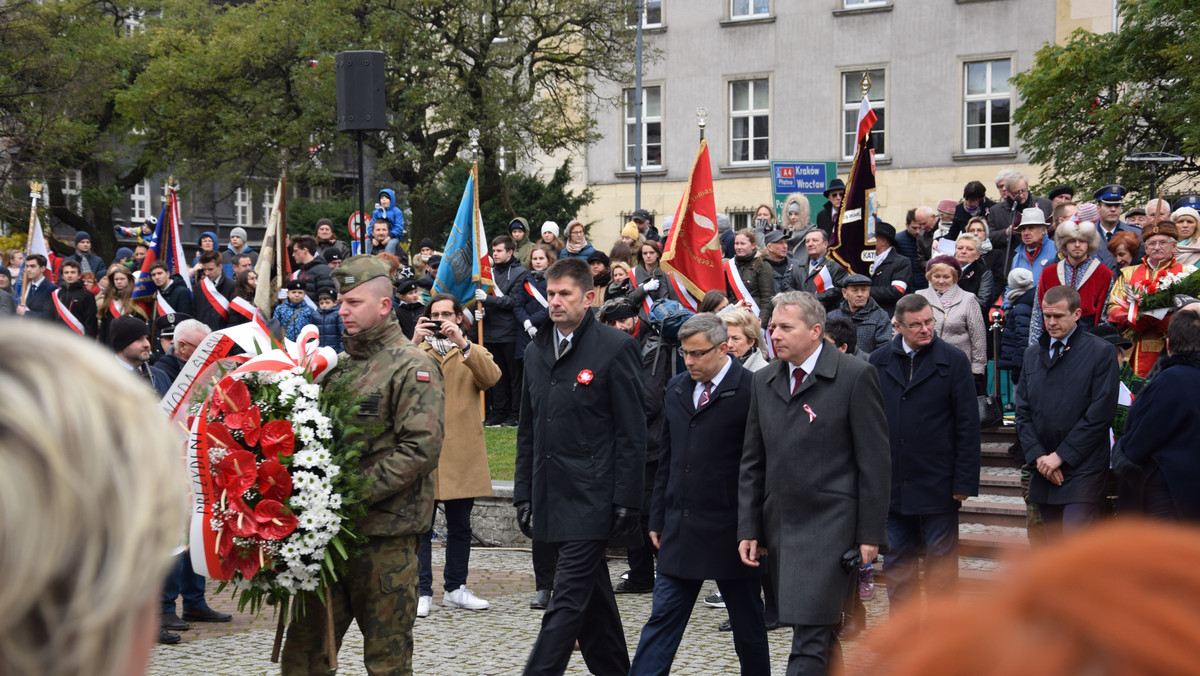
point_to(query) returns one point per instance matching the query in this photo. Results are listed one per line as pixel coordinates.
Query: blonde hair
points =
(747, 322)
(93, 498)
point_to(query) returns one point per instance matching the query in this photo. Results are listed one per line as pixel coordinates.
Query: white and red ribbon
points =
(811, 416)
(215, 299)
(536, 295)
(739, 287)
(164, 308)
(65, 314)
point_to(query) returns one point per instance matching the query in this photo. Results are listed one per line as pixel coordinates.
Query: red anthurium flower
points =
(240, 521)
(274, 482)
(237, 471)
(231, 396)
(251, 423)
(277, 438)
(275, 520)
(224, 542)
(219, 437)
(246, 560)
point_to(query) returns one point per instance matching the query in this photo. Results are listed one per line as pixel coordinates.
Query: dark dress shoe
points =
(626, 587)
(167, 638)
(206, 614)
(540, 600)
(772, 626)
(725, 626)
(171, 621)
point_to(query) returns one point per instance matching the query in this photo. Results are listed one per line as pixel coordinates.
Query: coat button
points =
(549, 419)
(693, 423)
(685, 512)
(687, 468)
(554, 382)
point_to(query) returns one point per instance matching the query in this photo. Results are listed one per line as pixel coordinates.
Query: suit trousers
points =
(545, 560)
(183, 581)
(674, 599)
(816, 650)
(1068, 519)
(908, 535)
(641, 559)
(583, 608)
(504, 398)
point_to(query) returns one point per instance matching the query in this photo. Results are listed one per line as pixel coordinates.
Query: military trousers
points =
(379, 591)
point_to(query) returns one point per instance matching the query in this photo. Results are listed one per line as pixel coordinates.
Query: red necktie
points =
(799, 378)
(704, 396)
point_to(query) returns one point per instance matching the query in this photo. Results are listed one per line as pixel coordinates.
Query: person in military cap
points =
(164, 328)
(403, 398)
(1192, 201)
(1145, 330)
(1111, 198)
(296, 313)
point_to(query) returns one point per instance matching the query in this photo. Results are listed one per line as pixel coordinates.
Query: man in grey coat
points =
(817, 445)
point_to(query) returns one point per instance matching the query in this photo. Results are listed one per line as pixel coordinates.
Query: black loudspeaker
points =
(361, 105)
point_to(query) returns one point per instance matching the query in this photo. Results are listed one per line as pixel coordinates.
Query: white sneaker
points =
(463, 598)
(423, 604)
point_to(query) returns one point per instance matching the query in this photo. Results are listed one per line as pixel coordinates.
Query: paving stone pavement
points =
(454, 642)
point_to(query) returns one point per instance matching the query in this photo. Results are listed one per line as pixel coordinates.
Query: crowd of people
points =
(802, 420)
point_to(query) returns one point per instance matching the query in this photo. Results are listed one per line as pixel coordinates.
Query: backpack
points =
(666, 317)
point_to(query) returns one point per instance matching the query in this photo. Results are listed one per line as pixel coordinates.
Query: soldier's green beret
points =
(358, 269)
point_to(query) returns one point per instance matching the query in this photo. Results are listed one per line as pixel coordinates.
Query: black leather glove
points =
(625, 520)
(525, 518)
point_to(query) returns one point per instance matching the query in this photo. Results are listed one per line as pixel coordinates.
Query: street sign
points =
(808, 178)
(354, 225)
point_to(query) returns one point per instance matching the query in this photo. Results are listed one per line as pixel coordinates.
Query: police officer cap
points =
(1192, 201)
(358, 269)
(1110, 194)
(165, 325)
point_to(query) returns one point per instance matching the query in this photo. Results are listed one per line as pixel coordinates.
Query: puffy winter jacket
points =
(1015, 336)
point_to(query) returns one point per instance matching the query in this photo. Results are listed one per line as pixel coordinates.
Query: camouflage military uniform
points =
(403, 391)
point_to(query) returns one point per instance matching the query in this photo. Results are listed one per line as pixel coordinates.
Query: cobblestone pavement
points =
(462, 642)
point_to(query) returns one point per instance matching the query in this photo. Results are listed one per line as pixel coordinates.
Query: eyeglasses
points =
(1159, 245)
(694, 354)
(928, 324)
(441, 315)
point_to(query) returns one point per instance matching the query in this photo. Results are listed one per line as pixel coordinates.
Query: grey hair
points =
(707, 323)
(1013, 178)
(1003, 176)
(811, 310)
(969, 236)
(926, 211)
(191, 326)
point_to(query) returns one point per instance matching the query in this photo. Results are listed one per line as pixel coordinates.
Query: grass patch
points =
(502, 451)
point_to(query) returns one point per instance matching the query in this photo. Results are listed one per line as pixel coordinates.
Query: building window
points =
(986, 103)
(749, 9)
(72, 191)
(139, 201)
(852, 101)
(241, 206)
(740, 218)
(651, 15)
(268, 203)
(749, 121)
(859, 4)
(651, 128)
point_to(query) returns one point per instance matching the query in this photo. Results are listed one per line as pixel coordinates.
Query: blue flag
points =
(466, 264)
(166, 247)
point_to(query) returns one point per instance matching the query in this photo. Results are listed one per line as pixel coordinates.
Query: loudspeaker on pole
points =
(361, 105)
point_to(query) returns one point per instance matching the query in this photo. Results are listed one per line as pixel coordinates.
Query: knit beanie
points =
(238, 232)
(80, 236)
(630, 230)
(124, 331)
(550, 226)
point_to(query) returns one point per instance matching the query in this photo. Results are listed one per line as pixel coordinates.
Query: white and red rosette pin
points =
(585, 377)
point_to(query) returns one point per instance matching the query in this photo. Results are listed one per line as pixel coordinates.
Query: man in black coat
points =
(74, 305)
(933, 425)
(693, 520)
(212, 292)
(581, 447)
(1005, 215)
(313, 270)
(500, 331)
(1066, 400)
(891, 273)
(827, 216)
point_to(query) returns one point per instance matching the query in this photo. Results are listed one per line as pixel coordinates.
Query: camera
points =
(435, 327)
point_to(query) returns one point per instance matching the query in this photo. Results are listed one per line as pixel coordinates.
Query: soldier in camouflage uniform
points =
(403, 393)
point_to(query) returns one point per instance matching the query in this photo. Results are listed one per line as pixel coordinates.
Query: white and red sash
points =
(739, 287)
(116, 309)
(65, 314)
(215, 299)
(162, 306)
(536, 295)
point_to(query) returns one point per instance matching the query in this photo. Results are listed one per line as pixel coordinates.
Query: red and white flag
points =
(692, 254)
(824, 280)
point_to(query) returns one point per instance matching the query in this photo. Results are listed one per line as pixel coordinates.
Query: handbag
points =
(990, 414)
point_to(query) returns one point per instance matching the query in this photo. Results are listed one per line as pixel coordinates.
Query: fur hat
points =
(1160, 228)
(427, 243)
(1085, 230)
(295, 285)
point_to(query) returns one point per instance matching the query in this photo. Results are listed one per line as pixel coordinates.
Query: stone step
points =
(994, 510)
(995, 454)
(999, 484)
(990, 546)
(1005, 434)
(974, 574)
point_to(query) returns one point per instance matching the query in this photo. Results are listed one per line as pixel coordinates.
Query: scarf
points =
(576, 248)
(440, 345)
(602, 279)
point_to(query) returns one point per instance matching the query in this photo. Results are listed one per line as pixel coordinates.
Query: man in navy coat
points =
(1066, 400)
(693, 516)
(933, 424)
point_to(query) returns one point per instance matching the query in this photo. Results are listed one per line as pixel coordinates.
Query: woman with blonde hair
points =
(745, 337)
(93, 498)
(116, 299)
(956, 313)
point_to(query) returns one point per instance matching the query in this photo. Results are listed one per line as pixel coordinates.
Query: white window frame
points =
(241, 206)
(73, 190)
(751, 13)
(851, 78)
(646, 23)
(863, 4)
(750, 113)
(139, 201)
(988, 96)
(268, 203)
(628, 120)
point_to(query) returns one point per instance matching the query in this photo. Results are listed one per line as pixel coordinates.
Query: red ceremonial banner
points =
(692, 254)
